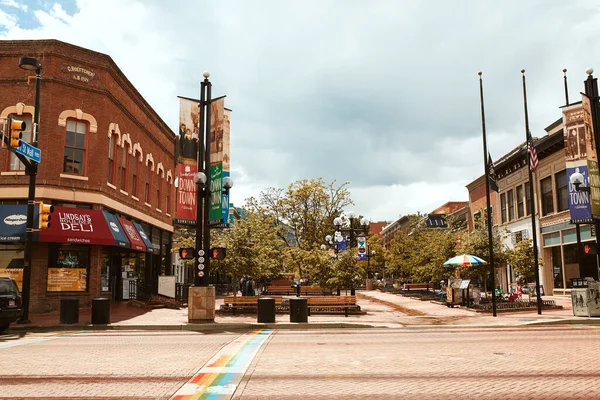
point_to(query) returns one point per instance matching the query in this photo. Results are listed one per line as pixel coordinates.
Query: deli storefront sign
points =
(78, 226)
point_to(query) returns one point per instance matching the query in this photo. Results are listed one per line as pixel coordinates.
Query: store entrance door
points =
(115, 277)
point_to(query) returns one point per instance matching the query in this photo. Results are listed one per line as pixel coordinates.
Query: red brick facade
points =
(86, 87)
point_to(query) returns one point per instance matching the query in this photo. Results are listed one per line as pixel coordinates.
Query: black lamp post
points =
(30, 64)
(369, 255)
(344, 224)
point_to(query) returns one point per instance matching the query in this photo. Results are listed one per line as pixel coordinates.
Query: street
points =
(410, 363)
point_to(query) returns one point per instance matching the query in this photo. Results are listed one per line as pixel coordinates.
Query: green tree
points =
(478, 245)
(521, 259)
(305, 211)
(346, 271)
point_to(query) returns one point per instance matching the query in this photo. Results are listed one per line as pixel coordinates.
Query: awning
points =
(13, 223)
(116, 229)
(79, 226)
(132, 233)
(144, 237)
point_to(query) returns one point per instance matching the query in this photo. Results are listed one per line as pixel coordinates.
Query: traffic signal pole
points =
(32, 172)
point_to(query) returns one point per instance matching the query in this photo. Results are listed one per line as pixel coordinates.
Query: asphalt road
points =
(410, 363)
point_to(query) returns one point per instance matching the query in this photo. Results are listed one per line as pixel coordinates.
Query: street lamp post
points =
(344, 224)
(30, 64)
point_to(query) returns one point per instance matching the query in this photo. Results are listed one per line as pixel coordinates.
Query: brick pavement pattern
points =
(548, 363)
(124, 364)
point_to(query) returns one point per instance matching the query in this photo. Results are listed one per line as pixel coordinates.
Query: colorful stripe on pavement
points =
(36, 339)
(221, 375)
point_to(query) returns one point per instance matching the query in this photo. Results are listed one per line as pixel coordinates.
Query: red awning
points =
(78, 226)
(132, 234)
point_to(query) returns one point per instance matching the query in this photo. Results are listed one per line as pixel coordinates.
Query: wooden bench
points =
(335, 302)
(418, 286)
(288, 290)
(249, 303)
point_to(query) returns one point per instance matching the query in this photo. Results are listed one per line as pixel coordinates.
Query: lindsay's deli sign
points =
(78, 226)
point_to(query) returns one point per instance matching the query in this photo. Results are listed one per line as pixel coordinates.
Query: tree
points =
(478, 245)
(521, 259)
(253, 248)
(305, 212)
(346, 272)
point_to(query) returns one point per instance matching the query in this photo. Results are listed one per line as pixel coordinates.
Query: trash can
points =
(298, 309)
(69, 311)
(266, 310)
(100, 311)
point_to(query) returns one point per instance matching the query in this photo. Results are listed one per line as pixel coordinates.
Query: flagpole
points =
(487, 198)
(531, 200)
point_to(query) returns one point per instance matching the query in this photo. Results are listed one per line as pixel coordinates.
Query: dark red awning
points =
(132, 234)
(78, 226)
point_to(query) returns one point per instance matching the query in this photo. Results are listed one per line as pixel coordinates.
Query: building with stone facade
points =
(107, 165)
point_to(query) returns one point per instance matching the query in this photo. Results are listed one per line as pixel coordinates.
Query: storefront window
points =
(552, 239)
(68, 268)
(557, 267)
(11, 263)
(571, 265)
(547, 197)
(105, 273)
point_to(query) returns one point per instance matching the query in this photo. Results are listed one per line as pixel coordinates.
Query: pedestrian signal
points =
(589, 248)
(45, 215)
(218, 253)
(186, 253)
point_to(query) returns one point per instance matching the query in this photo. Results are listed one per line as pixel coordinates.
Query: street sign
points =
(200, 252)
(200, 267)
(200, 259)
(200, 274)
(29, 151)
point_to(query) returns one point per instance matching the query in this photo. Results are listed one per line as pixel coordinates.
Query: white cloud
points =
(14, 4)
(383, 94)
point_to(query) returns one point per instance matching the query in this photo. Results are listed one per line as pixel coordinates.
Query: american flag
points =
(533, 158)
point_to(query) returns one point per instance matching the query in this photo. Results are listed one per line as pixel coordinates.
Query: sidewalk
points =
(382, 310)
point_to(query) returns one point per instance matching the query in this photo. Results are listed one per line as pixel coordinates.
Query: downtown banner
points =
(219, 157)
(361, 244)
(187, 161)
(580, 156)
(186, 194)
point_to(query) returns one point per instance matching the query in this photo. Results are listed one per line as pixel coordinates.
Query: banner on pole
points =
(189, 116)
(580, 156)
(361, 243)
(186, 194)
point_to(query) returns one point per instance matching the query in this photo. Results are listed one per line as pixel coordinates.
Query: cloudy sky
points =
(381, 93)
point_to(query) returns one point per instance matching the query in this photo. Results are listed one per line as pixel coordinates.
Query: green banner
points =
(594, 182)
(215, 211)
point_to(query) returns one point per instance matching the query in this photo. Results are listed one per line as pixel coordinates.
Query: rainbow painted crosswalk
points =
(221, 375)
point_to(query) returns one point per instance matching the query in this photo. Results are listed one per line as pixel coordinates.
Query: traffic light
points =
(16, 128)
(589, 248)
(186, 253)
(45, 215)
(218, 253)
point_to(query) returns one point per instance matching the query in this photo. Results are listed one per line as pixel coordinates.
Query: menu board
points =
(67, 279)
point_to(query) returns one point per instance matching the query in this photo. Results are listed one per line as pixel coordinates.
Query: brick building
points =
(107, 166)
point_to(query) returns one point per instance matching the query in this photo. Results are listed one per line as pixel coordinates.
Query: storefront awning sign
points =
(144, 236)
(13, 223)
(78, 226)
(116, 230)
(132, 233)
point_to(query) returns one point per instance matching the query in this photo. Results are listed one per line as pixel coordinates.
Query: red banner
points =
(186, 194)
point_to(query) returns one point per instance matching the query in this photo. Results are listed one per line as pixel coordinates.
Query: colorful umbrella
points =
(464, 260)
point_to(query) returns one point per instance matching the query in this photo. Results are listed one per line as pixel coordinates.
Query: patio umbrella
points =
(464, 260)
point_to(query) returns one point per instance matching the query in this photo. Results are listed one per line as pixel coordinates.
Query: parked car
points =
(11, 304)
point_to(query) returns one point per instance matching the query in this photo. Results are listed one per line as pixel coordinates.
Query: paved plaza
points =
(434, 362)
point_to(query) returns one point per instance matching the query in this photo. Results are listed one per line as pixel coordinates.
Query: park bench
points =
(418, 286)
(326, 303)
(245, 303)
(289, 290)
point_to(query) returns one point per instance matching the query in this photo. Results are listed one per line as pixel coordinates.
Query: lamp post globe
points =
(227, 183)
(199, 178)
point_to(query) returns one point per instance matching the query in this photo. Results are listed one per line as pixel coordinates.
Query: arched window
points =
(134, 177)
(148, 178)
(124, 162)
(14, 164)
(112, 155)
(74, 160)
(158, 188)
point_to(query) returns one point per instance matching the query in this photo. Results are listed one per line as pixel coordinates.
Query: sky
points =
(383, 94)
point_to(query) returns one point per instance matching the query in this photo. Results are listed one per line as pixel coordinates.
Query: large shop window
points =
(11, 263)
(511, 205)
(75, 146)
(520, 206)
(68, 268)
(562, 191)
(547, 196)
(14, 164)
(557, 267)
